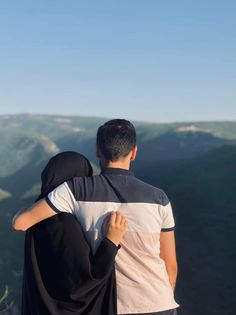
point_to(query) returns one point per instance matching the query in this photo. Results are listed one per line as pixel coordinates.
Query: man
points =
(146, 265)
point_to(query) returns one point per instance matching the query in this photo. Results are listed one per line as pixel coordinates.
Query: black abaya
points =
(61, 277)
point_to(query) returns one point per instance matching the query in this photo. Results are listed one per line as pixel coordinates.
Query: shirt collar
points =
(117, 171)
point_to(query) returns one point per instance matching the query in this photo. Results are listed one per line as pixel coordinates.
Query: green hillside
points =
(19, 147)
(193, 162)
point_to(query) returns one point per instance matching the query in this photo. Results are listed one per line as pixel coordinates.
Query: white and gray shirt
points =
(142, 281)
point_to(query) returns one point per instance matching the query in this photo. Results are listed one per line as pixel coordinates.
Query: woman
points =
(61, 276)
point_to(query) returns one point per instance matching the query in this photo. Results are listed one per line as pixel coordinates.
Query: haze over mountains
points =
(193, 162)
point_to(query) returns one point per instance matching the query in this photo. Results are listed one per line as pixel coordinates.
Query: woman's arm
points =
(27, 217)
(168, 254)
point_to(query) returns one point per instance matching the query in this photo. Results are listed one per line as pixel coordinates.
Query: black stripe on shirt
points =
(168, 230)
(51, 205)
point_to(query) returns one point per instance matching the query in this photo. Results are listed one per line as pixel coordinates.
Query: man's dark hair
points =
(116, 138)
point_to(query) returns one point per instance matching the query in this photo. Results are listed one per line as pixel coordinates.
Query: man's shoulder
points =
(133, 189)
(84, 180)
(158, 194)
(88, 188)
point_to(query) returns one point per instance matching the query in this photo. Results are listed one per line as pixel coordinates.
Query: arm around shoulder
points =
(39, 211)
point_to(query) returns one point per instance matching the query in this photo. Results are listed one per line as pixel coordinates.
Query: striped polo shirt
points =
(142, 281)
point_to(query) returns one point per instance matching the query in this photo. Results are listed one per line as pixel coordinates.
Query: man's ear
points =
(133, 153)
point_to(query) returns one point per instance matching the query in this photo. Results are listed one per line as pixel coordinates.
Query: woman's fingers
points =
(118, 218)
(124, 222)
(123, 219)
(112, 218)
(117, 226)
(106, 223)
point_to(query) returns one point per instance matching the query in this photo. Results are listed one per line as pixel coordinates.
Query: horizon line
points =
(109, 118)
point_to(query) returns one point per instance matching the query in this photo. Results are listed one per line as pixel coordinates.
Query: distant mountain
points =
(24, 132)
(202, 192)
(174, 146)
(193, 162)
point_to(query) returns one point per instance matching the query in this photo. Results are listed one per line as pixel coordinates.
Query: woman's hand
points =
(115, 225)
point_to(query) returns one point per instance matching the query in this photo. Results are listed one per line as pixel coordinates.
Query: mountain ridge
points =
(193, 165)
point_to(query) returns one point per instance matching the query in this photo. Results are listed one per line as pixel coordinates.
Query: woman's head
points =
(62, 167)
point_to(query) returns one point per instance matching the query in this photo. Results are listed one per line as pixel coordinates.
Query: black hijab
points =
(61, 277)
(62, 167)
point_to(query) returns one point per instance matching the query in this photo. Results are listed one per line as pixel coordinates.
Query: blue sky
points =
(152, 60)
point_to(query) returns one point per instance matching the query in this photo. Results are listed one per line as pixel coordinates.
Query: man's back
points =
(142, 280)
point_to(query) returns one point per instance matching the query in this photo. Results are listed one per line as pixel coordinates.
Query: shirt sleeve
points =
(61, 199)
(168, 222)
(104, 259)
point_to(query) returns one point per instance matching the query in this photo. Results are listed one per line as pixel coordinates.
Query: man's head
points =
(116, 141)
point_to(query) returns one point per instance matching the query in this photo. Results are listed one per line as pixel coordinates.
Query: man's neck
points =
(119, 164)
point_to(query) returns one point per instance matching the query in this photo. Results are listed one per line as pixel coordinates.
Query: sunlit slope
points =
(19, 147)
(51, 126)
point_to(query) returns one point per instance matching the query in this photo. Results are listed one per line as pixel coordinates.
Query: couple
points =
(145, 265)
